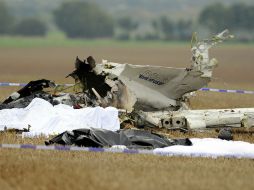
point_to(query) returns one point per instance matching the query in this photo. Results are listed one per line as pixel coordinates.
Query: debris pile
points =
(151, 96)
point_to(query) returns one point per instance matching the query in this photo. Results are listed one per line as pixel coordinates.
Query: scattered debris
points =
(16, 131)
(248, 120)
(163, 88)
(146, 96)
(163, 100)
(31, 88)
(36, 89)
(23, 97)
(225, 134)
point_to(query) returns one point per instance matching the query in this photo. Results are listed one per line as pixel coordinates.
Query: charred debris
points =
(151, 96)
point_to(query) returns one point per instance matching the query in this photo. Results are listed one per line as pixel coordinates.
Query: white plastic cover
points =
(46, 119)
(210, 147)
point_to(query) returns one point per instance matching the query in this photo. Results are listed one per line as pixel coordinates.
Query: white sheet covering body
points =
(46, 119)
(212, 148)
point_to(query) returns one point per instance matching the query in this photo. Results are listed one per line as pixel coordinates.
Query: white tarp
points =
(210, 147)
(46, 119)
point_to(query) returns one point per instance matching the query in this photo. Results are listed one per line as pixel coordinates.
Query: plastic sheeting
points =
(206, 147)
(46, 119)
(130, 138)
(210, 147)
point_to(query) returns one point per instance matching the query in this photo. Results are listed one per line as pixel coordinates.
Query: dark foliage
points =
(236, 17)
(30, 27)
(173, 30)
(83, 20)
(127, 24)
(6, 19)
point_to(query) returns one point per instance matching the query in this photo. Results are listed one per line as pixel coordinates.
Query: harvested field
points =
(235, 62)
(26, 169)
(23, 169)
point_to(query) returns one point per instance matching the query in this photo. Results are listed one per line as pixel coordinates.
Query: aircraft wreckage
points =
(151, 96)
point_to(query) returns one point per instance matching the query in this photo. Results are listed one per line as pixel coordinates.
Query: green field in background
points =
(59, 40)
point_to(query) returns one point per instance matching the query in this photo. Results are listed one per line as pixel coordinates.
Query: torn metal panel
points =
(213, 118)
(164, 87)
(23, 97)
(35, 89)
(157, 95)
(65, 98)
(200, 53)
(198, 119)
(31, 88)
(25, 101)
(248, 120)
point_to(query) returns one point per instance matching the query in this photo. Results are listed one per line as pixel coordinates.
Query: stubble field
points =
(23, 169)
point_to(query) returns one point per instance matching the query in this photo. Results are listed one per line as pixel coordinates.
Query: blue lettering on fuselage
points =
(152, 80)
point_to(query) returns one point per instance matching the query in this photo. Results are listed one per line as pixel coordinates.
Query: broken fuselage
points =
(157, 95)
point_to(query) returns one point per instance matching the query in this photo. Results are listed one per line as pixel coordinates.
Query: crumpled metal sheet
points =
(156, 87)
(104, 138)
(163, 88)
(198, 119)
(25, 101)
(36, 89)
(31, 88)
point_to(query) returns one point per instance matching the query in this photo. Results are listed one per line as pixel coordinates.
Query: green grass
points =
(30, 42)
(58, 39)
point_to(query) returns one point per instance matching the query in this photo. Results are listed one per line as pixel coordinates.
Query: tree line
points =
(87, 20)
(26, 27)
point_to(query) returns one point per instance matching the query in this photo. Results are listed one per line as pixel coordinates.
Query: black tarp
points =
(131, 138)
